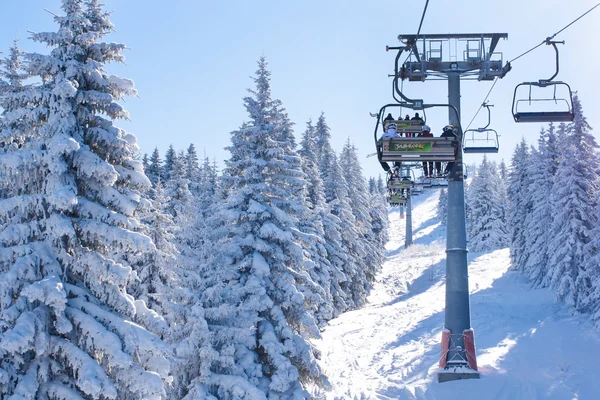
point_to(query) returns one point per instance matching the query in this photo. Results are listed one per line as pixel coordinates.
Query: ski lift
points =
(557, 108)
(481, 140)
(412, 148)
(408, 147)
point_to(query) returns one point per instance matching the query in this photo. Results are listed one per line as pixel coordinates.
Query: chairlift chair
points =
(481, 140)
(412, 149)
(545, 108)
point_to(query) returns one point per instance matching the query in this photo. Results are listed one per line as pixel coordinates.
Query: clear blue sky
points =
(191, 61)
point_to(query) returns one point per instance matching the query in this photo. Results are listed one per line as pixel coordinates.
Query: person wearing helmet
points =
(390, 133)
(448, 131)
(427, 166)
(387, 121)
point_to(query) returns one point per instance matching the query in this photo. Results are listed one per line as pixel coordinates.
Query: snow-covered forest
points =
(126, 277)
(130, 274)
(545, 207)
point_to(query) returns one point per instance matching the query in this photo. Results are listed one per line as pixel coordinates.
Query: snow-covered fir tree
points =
(442, 210)
(358, 194)
(575, 183)
(154, 170)
(313, 224)
(324, 149)
(70, 240)
(256, 306)
(192, 168)
(518, 206)
(167, 167)
(541, 170)
(356, 285)
(487, 230)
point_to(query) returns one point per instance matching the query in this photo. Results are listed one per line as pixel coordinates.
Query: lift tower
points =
(452, 56)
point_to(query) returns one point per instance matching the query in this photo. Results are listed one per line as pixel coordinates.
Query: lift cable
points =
(411, 50)
(528, 51)
(423, 17)
(553, 36)
(482, 104)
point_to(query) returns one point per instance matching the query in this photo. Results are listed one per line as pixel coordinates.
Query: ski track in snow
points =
(528, 345)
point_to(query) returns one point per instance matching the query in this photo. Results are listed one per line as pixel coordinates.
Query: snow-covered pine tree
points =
(323, 141)
(13, 71)
(379, 216)
(356, 284)
(541, 169)
(487, 230)
(442, 210)
(145, 161)
(325, 247)
(588, 299)
(503, 195)
(575, 183)
(294, 182)
(358, 195)
(255, 305)
(518, 207)
(69, 235)
(154, 170)
(381, 186)
(167, 167)
(192, 169)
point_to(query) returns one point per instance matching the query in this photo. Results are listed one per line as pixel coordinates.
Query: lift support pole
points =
(480, 61)
(457, 340)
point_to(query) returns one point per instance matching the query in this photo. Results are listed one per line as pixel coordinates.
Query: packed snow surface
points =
(528, 345)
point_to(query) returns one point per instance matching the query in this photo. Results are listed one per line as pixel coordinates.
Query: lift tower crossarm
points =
(497, 36)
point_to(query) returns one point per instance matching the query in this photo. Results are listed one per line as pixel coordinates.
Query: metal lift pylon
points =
(458, 356)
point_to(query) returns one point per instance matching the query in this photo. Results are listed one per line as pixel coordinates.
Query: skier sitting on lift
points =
(427, 172)
(448, 132)
(390, 133)
(388, 120)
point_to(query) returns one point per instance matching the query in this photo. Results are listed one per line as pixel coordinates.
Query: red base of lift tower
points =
(464, 364)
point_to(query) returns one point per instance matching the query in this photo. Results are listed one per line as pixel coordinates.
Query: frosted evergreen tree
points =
(372, 185)
(255, 299)
(379, 218)
(503, 170)
(325, 251)
(206, 203)
(154, 170)
(541, 170)
(503, 194)
(356, 285)
(167, 168)
(13, 70)
(358, 195)
(69, 236)
(588, 282)
(442, 210)
(572, 194)
(381, 186)
(145, 161)
(487, 230)
(14, 128)
(518, 206)
(323, 141)
(192, 168)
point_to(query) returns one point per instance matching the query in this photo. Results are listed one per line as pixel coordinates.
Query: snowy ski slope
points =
(528, 346)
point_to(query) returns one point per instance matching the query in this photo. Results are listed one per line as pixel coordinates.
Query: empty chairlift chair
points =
(481, 140)
(546, 100)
